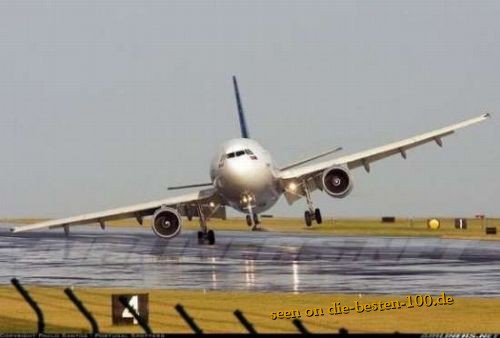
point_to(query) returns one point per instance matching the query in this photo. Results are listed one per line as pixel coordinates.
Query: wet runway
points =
(251, 261)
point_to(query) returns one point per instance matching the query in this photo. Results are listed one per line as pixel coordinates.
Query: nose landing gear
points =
(253, 221)
(251, 218)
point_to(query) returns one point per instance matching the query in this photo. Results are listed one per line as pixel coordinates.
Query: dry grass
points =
(337, 227)
(213, 311)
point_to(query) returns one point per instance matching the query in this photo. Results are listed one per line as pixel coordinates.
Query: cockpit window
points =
(251, 154)
(241, 153)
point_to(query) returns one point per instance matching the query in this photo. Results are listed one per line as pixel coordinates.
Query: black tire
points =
(211, 237)
(249, 220)
(308, 218)
(317, 216)
(189, 213)
(200, 237)
(256, 219)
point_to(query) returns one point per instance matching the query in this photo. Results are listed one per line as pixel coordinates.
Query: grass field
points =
(340, 227)
(213, 312)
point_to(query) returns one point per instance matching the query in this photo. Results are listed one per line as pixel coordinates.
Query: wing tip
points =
(487, 115)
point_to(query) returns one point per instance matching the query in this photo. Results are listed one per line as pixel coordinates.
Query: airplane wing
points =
(186, 205)
(311, 174)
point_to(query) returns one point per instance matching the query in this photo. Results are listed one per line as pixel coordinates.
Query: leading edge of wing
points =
(385, 149)
(117, 213)
(311, 158)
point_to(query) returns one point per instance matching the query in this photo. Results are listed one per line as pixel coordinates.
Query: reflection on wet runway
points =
(253, 261)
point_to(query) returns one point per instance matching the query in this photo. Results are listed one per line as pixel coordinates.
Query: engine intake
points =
(167, 222)
(337, 182)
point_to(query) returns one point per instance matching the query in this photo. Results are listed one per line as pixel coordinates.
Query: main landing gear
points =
(311, 214)
(205, 235)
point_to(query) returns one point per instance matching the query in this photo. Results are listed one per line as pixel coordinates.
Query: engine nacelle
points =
(337, 181)
(167, 222)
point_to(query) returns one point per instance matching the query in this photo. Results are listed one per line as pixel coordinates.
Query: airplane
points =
(245, 178)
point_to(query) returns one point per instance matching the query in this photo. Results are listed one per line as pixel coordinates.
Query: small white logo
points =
(134, 303)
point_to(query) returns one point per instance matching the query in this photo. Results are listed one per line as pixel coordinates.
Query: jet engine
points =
(167, 222)
(337, 181)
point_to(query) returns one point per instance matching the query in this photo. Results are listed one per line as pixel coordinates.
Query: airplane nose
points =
(239, 171)
(245, 173)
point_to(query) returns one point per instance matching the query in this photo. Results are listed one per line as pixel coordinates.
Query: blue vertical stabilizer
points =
(241, 113)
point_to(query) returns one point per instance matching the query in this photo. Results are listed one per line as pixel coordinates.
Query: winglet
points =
(241, 114)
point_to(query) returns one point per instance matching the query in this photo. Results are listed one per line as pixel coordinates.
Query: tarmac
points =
(251, 261)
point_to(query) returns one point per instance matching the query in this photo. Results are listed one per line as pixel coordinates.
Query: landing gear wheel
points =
(200, 237)
(308, 218)
(317, 216)
(211, 237)
(249, 220)
(256, 223)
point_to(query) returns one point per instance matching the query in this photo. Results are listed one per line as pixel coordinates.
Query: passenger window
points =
(239, 153)
(231, 155)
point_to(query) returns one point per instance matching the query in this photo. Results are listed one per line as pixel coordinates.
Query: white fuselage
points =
(245, 175)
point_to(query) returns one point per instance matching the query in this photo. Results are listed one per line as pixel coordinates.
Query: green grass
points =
(213, 311)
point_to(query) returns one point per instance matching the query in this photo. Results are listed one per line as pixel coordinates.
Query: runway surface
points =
(251, 261)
